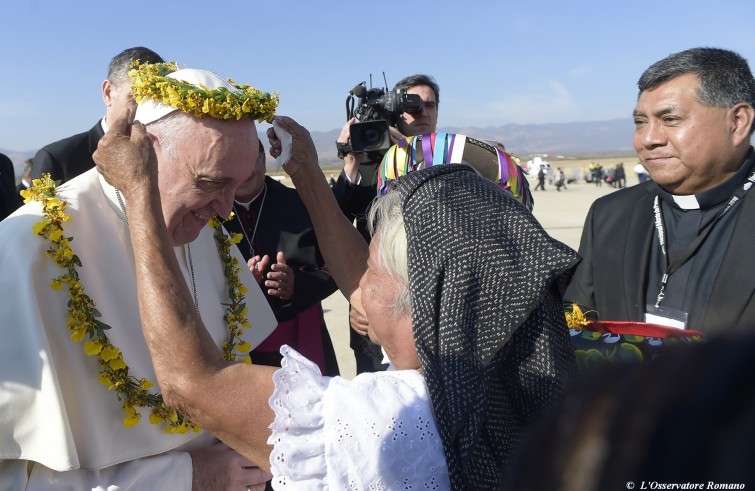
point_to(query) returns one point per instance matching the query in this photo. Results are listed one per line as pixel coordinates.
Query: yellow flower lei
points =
(83, 316)
(149, 81)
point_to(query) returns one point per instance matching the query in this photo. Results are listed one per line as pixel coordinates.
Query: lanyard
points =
(695, 244)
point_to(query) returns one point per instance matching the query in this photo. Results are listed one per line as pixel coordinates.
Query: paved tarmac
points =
(562, 214)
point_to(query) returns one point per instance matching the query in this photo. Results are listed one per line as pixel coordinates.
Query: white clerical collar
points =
(688, 202)
(247, 204)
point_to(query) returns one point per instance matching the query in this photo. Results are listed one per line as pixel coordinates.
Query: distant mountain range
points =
(583, 138)
(587, 138)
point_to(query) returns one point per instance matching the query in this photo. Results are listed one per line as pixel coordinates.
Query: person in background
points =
(678, 250)
(560, 179)
(355, 189)
(25, 182)
(642, 173)
(620, 175)
(9, 198)
(279, 243)
(71, 156)
(540, 178)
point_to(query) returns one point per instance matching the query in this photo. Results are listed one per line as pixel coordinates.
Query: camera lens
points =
(372, 136)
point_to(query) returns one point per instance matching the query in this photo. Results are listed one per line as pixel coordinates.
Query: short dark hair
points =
(419, 79)
(119, 66)
(725, 76)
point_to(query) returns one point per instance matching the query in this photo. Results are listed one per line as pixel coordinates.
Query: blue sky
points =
(496, 62)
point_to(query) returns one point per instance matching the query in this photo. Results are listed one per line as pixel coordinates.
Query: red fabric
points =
(639, 329)
(303, 333)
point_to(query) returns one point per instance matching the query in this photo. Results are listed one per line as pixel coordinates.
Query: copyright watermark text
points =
(631, 485)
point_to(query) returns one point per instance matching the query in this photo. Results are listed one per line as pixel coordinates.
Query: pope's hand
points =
(219, 467)
(303, 151)
(125, 156)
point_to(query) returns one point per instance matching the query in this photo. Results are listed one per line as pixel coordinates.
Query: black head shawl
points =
(486, 283)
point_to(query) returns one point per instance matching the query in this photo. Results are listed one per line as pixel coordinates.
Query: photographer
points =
(356, 188)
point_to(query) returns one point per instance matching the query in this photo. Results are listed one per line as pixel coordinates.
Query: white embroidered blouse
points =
(376, 431)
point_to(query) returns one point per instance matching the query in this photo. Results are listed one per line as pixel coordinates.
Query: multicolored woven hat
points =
(419, 152)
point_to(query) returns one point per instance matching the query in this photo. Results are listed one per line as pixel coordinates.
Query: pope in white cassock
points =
(61, 426)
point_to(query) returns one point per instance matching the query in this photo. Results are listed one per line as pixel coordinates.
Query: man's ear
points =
(742, 116)
(107, 93)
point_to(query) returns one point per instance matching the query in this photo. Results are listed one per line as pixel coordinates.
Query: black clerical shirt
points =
(690, 287)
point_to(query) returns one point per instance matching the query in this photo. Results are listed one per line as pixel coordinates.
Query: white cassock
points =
(54, 413)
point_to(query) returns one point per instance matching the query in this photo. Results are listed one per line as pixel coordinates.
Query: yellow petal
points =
(92, 347)
(109, 352)
(39, 227)
(78, 334)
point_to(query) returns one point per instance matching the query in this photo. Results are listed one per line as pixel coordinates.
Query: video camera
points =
(377, 110)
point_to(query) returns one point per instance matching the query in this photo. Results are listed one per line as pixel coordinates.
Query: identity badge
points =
(665, 316)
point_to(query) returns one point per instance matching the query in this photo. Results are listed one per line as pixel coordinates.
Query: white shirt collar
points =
(688, 202)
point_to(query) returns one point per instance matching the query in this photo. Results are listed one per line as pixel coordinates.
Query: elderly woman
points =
(462, 290)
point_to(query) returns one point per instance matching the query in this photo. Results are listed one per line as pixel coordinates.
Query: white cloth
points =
(53, 410)
(376, 431)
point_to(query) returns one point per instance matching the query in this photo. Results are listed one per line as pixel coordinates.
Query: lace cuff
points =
(298, 457)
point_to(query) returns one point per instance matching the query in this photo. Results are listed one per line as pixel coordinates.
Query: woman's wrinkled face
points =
(378, 295)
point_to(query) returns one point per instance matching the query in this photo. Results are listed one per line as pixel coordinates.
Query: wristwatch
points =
(343, 149)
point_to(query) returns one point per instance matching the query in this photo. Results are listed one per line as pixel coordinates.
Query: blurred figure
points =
(540, 178)
(620, 176)
(560, 179)
(25, 182)
(686, 417)
(69, 157)
(642, 174)
(9, 198)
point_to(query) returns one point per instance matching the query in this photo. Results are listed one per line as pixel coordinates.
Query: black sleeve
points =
(581, 289)
(43, 163)
(9, 200)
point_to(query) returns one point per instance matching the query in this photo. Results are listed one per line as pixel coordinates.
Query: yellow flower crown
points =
(150, 81)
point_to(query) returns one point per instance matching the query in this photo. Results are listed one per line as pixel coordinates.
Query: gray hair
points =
(119, 66)
(725, 76)
(386, 221)
(170, 129)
